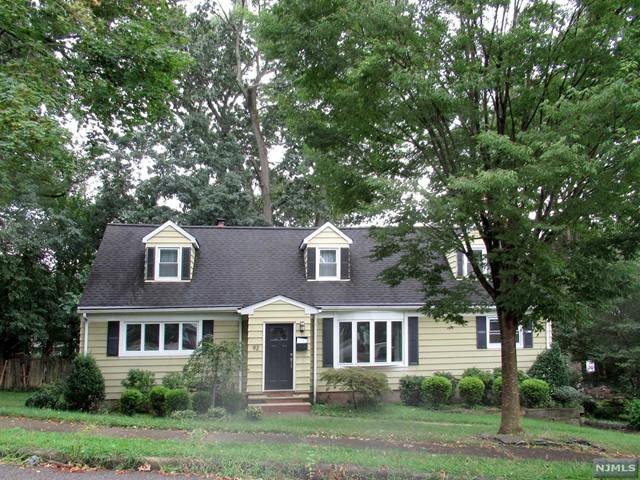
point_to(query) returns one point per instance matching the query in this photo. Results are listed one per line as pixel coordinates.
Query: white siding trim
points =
(251, 309)
(181, 231)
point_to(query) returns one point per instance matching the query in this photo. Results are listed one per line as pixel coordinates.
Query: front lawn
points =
(389, 422)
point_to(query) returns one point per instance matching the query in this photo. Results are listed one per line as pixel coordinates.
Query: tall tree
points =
(521, 120)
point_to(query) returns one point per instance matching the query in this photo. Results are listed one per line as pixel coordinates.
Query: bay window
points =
(159, 338)
(370, 342)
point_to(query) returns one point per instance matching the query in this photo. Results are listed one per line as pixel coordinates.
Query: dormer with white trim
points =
(459, 262)
(169, 254)
(327, 254)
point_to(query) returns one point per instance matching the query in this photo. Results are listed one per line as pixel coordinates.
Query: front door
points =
(278, 356)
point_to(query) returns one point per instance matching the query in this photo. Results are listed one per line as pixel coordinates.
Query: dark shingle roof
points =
(236, 266)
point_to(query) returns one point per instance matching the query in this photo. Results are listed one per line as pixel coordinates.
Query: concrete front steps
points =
(280, 403)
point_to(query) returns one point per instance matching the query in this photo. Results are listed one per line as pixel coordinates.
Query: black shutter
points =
(345, 264)
(413, 341)
(113, 339)
(186, 263)
(528, 334)
(481, 332)
(151, 263)
(459, 264)
(327, 342)
(207, 328)
(311, 263)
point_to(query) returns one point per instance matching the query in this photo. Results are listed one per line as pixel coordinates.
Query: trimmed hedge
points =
(366, 386)
(158, 401)
(411, 392)
(471, 390)
(177, 399)
(567, 396)
(437, 390)
(535, 393)
(130, 401)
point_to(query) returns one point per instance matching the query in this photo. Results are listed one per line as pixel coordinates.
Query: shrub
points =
(552, 367)
(141, 380)
(183, 414)
(535, 393)
(158, 401)
(483, 375)
(173, 381)
(253, 413)
(411, 390)
(177, 399)
(130, 401)
(450, 376)
(232, 401)
(610, 409)
(471, 390)
(366, 386)
(632, 413)
(437, 390)
(201, 401)
(48, 396)
(497, 390)
(216, 413)
(567, 396)
(522, 376)
(84, 389)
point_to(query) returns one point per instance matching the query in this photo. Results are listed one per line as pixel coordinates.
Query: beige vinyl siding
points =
(277, 312)
(114, 369)
(452, 257)
(327, 237)
(445, 348)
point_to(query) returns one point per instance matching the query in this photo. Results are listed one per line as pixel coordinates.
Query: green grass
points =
(389, 422)
(13, 399)
(234, 459)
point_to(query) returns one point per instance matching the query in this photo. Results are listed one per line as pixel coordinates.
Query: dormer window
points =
(169, 254)
(168, 267)
(328, 261)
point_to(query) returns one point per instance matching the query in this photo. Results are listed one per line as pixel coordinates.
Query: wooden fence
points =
(26, 373)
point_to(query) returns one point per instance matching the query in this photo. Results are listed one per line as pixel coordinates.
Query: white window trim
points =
(123, 352)
(338, 272)
(466, 265)
(371, 317)
(157, 276)
(498, 346)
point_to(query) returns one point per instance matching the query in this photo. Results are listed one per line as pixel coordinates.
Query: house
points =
(299, 300)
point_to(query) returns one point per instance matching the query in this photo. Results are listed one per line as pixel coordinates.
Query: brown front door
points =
(278, 356)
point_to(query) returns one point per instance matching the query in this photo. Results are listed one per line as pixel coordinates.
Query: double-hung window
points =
(493, 334)
(467, 269)
(160, 338)
(327, 264)
(168, 264)
(370, 342)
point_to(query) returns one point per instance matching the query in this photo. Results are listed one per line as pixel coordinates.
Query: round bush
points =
(173, 380)
(253, 413)
(216, 413)
(483, 375)
(141, 380)
(48, 396)
(84, 389)
(535, 393)
(567, 396)
(450, 376)
(411, 390)
(201, 402)
(177, 399)
(437, 390)
(552, 367)
(158, 401)
(130, 401)
(471, 390)
(632, 414)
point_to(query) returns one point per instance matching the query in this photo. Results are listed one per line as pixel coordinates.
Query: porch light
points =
(302, 326)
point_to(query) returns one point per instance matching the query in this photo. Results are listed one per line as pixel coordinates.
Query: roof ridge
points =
(236, 227)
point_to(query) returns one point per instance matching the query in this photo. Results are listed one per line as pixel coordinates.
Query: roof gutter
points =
(84, 310)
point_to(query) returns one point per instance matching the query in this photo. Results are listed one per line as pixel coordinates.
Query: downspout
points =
(315, 356)
(241, 348)
(548, 332)
(85, 339)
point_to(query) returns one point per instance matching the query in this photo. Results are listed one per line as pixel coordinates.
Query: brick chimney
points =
(220, 222)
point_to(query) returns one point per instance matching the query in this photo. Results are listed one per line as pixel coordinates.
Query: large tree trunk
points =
(263, 155)
(510, 419)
